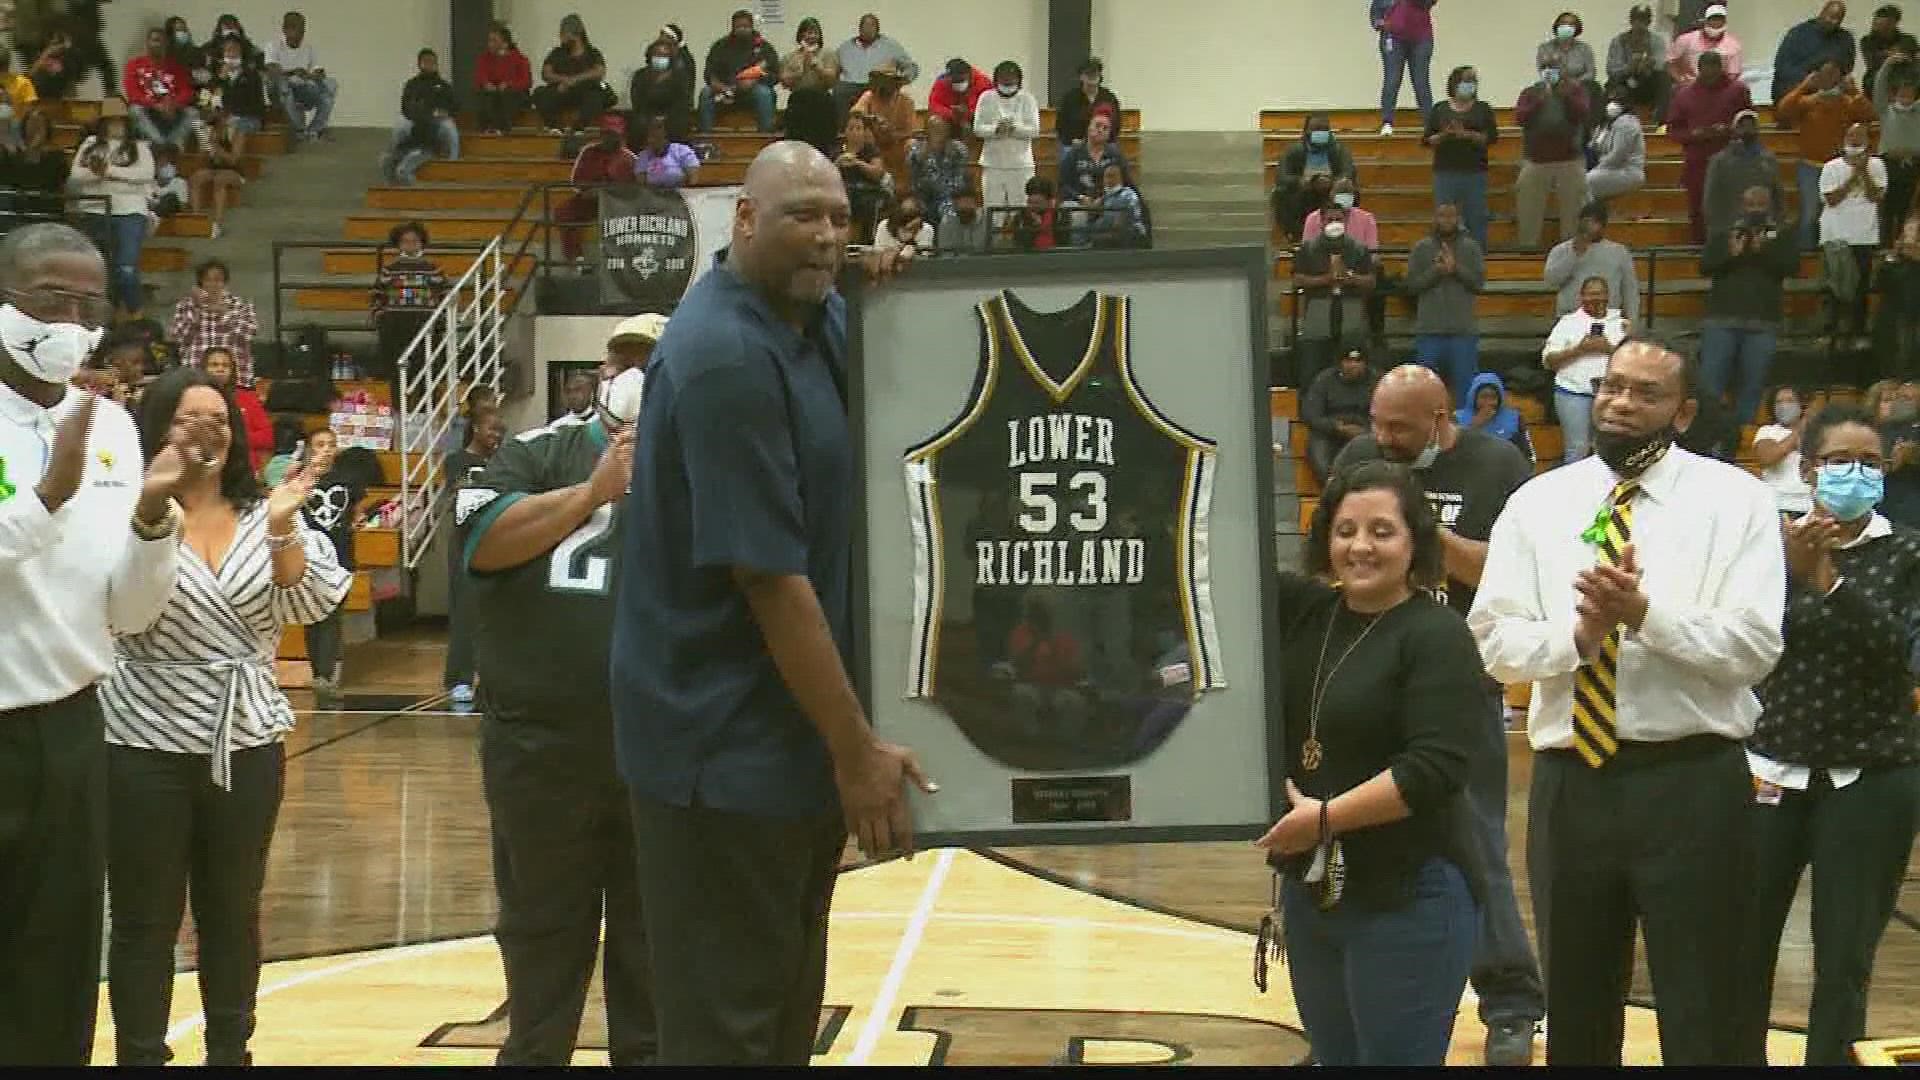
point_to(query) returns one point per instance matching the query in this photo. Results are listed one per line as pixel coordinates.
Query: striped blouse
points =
(201, 680)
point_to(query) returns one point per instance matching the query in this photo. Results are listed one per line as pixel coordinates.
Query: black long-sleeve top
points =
(1412, 697)
(1750, 287)
(424, 94)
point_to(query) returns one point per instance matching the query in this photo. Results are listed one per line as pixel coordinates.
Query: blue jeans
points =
(1575, 413)
(126, 234)
(1810, 205)
(1468, 191)
(758, 97)
(1394, 60)
(299, 95)
(1505, 977)
(148, 127)
(1454, 357)
(1735, 360)
(402, 163)
(1382, 987)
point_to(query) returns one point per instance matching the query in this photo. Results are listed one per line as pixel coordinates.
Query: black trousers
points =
(323, 646)
(562, 858)
(1903, 178)
(170, 830)
(498, 109)
(587, 100)
(53, 833)
(1657, 836)
(1858, 839)
(460, 626)
(736, 908)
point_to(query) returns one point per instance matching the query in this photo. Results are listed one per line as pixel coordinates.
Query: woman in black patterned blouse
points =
(1836, 753)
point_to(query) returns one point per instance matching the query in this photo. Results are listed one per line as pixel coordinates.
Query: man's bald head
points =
(780, 165)
(1411, 410)
(790, 227)
(1412, 383)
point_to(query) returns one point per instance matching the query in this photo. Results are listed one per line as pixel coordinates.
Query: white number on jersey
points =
(1043, 511)
(571, 568)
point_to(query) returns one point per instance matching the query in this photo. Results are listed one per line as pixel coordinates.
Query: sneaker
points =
(326, 693)
(215, 234)
(1509, 1044)
(1386, 129)
(462, 698)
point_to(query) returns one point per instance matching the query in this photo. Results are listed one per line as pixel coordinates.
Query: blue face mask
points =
(1565, 32)
(1468, 89)
(659, 63)
(1319, 138)
(1849, 492)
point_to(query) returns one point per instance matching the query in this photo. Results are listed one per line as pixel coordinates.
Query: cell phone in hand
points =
(1597, 330)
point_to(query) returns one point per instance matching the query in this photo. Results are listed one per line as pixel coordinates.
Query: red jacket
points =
(510, 67)
(153, 82)
(942, 99)
(597, 166)
(259, 426)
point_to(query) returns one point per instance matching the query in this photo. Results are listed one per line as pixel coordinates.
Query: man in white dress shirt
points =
(88, 546)
(1641, 591)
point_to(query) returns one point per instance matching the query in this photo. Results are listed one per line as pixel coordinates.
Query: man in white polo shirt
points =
(88, 546)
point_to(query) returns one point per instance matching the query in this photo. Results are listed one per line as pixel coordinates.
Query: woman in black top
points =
(573, 77)
(660, 88)
(869, 185)
(1460, 129)
(181, 50)
(1385, 704)
(1836, 752)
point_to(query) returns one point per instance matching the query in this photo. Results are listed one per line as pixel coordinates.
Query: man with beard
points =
(1641, 592)
(1467, 476)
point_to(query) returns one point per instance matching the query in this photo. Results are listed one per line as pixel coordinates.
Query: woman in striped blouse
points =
(195, 721)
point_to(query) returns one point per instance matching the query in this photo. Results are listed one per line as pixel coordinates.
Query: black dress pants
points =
(172, 831)
(587, 100)
(736, 907)
(53, 834)
(496, 110)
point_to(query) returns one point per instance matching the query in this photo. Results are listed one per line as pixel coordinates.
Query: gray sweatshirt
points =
(1568, 269)
(1899, 130)
(1445, 300)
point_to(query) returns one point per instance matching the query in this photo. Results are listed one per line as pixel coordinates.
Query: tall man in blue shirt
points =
(746, 751)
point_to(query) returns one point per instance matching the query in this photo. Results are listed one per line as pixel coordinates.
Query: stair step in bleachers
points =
(1505, 151)
(473, 226)
(1670, 231)
(348, 296)
(1662, 173)
(1293, 121)
(362, 262)
(735, 121)
(1531, 265)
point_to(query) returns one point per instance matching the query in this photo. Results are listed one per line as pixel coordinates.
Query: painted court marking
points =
(880, 1017)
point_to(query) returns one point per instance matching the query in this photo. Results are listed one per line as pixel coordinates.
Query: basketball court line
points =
(419, 708)
(880, 1014)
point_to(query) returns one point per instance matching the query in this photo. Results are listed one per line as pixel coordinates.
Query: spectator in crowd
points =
(906, 229)
(1749, 262)
(228, 28)
(1820, 40)
(1085, 168)
(1880, 402)
(503, 81)
(212, 185)
(1619, 150)
(113, 173)
(963, 229)
(573, 76)
(683, 57)
(1636, 63)
(218, 363)
(1576, 352)
(742, 70)
(340, 481)
(869, 184)
(1332, 277)
(1076, 107)
(182, 50)
(890, 113)
(938, 167)
(1361, 224)
(1590, 254)
(426, 125)
(1406, 50)
(212, 316)
(1006, 121)
(1038, 225)
(810, 72)
(1776, 449)
(48, 71)
(299, 82)
(1320, 156)
(1460, 130)
(1900, 440)
(1823, 106)
(1490, 414)
(1336, 409)
(1835, 761)
(1445, 272)
(1852, 186)
(74, 47)
(17, 94)
(33, 174)
(1712, 36)
(600, 163)
(1552, 115)
(1701, 120)
(238, 89)
(663, 163)
(485, 432)
(1884, 38)
(407, 289)
(160, 94)
(1896, 92)
(1641, 592)
(122, 359)
(860, 54)
(956, 94)
(1896, 332)
(1577, 62)
(1117, 219)
(1745, 163)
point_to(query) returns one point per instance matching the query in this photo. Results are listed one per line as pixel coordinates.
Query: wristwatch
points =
(159, 530)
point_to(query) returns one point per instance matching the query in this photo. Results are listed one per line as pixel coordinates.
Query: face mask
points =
(167, 173)
(1008, 89)
(619, 397)
(1550, 76)
(1343, 199)
(962, 87)
(1712, 34)
(1856, 151)
(1429, 453)
(1747, 138)
(659, 63)
(1787, 412)
(1319, 138)
(1849, 492)
(1468, 90)
(744, 35)
(1614, 109)
(181, 37)
(1904, 106)
(1335, 230)
(1630, 455)
(1111, 188)
(230, 62)
(1564, 32)
(50, 352)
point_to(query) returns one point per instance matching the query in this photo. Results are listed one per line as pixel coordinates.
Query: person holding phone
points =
(1576, 352)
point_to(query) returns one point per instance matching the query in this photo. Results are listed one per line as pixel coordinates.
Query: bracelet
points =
(159, 530)
(283, 541)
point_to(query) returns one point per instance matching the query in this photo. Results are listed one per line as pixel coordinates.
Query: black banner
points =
(647, 247)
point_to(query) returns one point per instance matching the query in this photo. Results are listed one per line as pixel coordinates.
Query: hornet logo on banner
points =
(647, 247)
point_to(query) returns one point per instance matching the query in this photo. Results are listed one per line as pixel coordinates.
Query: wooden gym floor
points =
(379, 903)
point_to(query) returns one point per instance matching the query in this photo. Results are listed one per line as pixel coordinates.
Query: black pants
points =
(1851, 317)
(1858, 840)
(53, 834)
(170, 831)
(498, 109)
(587, 100)
(811, 118)
(460, 623)
(1656, 836)
(563, 857)
(323, 646)
(736, 909)
(1903, 178)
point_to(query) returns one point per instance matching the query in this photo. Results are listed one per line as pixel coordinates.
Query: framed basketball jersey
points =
(1063, 613)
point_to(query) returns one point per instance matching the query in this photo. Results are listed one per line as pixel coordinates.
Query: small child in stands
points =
(486, 431)
(1118, 221)
(1039, 226)
(405, 292)
(171, 193)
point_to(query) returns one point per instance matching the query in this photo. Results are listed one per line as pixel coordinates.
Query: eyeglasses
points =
(1848, 464)
(1644, 393)
(53, 305)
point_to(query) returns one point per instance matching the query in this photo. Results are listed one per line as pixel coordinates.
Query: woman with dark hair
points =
(1460, 130)
(661, 89)
(226, 29)
(573, 76)
(213, 317)
(869, 184)
(195, 721)
(218, 363)
(502, 79)
(810, 73)
(1385, 696)
(1835, 754)
(181, 50)
(114, 170)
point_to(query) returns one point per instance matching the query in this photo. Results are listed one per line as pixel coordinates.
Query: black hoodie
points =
(426, 94)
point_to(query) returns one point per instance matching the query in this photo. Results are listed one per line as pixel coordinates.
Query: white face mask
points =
(1614, 109)
(1711, 33)
(620, 396)
(1008, 89)
(1335, 230)
(1787, 412)
(1343, 198)
(50, 352)
(1856, 151)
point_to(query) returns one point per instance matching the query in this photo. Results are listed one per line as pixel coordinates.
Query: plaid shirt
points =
(201, 323)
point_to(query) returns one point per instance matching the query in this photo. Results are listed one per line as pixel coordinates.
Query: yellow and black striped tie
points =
(1595, 731)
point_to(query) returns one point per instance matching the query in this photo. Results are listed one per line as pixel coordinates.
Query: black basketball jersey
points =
(543, 627)
(1062, 613)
